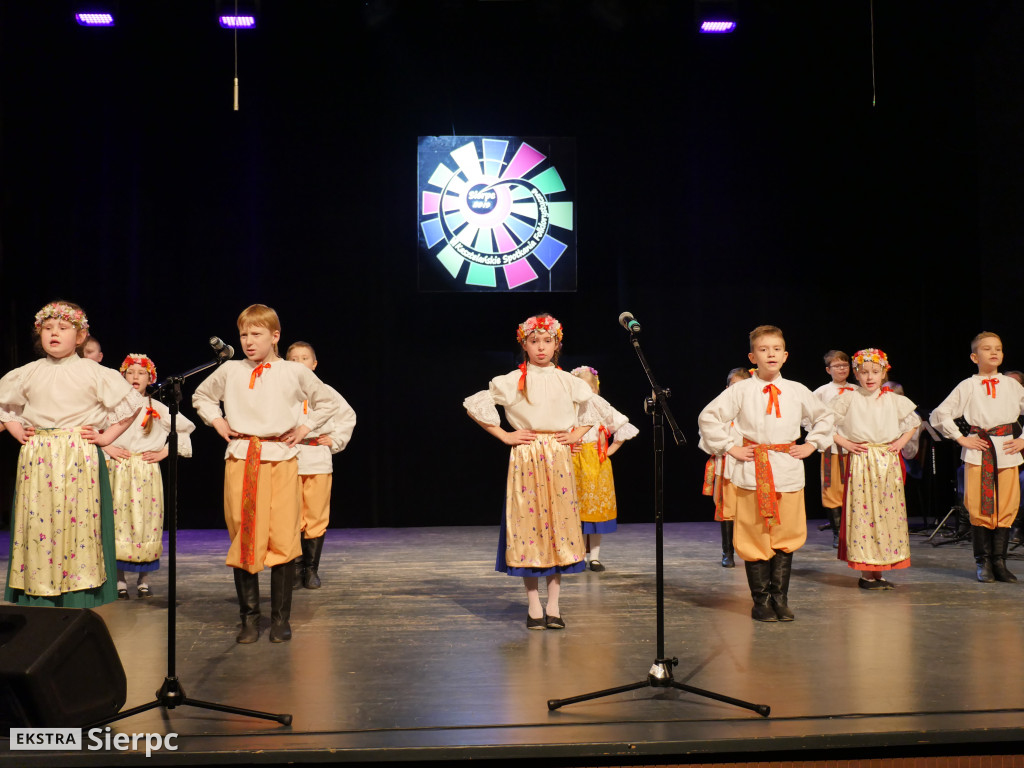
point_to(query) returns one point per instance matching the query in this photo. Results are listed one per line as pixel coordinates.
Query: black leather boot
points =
(781, 567)
(982, 539)
(281, 577)
(247, 585)
(835, 521)
(311, 549)
(759, 580)
(1017, 530)
(728, 559)
(1000, 543)
(298, 569)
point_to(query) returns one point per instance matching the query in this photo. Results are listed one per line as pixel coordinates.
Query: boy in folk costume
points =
(833, 458)
(991, 403)
(316, 473)
(262, 494)
(768, 477)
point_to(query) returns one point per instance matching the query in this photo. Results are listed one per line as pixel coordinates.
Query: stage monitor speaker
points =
(58, 668)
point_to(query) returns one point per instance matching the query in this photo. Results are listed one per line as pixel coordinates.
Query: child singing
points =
(541, 535)
(872, 425)
(62, 527)
(135, 480)
(262, 494)
(592, 468)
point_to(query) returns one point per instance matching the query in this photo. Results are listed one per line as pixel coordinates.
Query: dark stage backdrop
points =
(723, 183)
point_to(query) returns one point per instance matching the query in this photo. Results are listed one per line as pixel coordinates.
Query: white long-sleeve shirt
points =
(744, 405)
(971, 399)
(135, 440)
(317, 459)
(873, 417)
(73, 391)
(554, 405)
(266, 410)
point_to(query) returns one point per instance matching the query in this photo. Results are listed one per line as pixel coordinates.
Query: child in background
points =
(768, 478)
(541, 535)
(62, 526)
(262, 493)
(135, 480)
(991, 403)
(316, 472)
(833, 460)
(592, 469)
(718, 487)
(91, 349)
(874, 425)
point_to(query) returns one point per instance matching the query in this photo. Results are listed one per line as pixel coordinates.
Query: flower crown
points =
(586, 369)
(534, 324)
(871, 355)
(60, 311)
(135, 358)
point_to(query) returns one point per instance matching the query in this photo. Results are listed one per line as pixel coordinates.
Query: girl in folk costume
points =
(718, 487)
(135, 480)
(541, 535)
(873, 424)
(592, 468)
(62, 526)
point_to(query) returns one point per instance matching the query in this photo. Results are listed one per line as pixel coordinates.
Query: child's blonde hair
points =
(589, 375)
(261, 316)
(983, 335)
(743, 373)
(300, 345)
(765, 330)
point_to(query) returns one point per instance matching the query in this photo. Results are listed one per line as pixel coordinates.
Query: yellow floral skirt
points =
(595, 490)
(138, 491)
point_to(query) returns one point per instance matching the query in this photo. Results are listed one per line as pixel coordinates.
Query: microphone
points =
(627, 321)
(224, 351)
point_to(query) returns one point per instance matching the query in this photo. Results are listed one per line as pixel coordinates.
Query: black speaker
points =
(58, 668)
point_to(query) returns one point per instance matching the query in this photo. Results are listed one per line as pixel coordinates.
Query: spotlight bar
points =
(717, 27)
(95, 19)
(238, 22)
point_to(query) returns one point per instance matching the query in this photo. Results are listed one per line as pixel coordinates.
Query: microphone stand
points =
(660, 673)
(171, 694)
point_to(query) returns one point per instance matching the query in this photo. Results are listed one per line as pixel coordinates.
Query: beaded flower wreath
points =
(587, 369)
(534, 324)
(871, 355)
(135, 358)
(60, 311)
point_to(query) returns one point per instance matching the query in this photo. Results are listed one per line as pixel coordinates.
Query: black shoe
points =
(835, 523)
(595, 566)
(873, 584)
(532, 623)
(554, 622)
(144, 591)
(122, 594)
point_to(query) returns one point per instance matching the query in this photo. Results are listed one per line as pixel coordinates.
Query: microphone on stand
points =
(627, 321)
(224, 351)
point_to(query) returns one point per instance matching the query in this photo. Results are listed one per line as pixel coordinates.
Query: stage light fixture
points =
(237, 15)
(715, 17)
(95, 19)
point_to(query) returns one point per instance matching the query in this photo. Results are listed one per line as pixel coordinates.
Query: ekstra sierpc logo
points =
(496, 213)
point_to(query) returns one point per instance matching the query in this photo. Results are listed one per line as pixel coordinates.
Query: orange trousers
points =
(278, 515)
(752, 537)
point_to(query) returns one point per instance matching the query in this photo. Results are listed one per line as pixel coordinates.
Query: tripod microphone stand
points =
(171, 694)
(660, 673)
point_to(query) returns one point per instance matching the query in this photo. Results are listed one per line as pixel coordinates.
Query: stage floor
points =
(416, 650)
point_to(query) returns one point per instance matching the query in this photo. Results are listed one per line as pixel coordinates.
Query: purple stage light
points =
(95, 19)
(238, 22)
(717, 27)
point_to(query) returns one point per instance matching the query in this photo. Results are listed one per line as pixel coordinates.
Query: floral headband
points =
(139, 359)
(586, 369)
(534, 324)
(60, 311)
(871, 355)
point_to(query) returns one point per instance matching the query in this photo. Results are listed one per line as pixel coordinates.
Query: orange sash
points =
(250, 484)
(767, 504)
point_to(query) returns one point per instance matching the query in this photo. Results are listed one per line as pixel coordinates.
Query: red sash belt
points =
(767, 504)
(250, 484)
(713, 485)
(844, 461)
(989, 487)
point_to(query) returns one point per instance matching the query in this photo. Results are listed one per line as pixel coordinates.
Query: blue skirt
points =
(605, 526)
(502, 567)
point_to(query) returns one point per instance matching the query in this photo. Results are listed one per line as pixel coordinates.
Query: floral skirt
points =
(138, 491)
(62, 526)
(595, 490)
(542, 533)
(874, 534)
